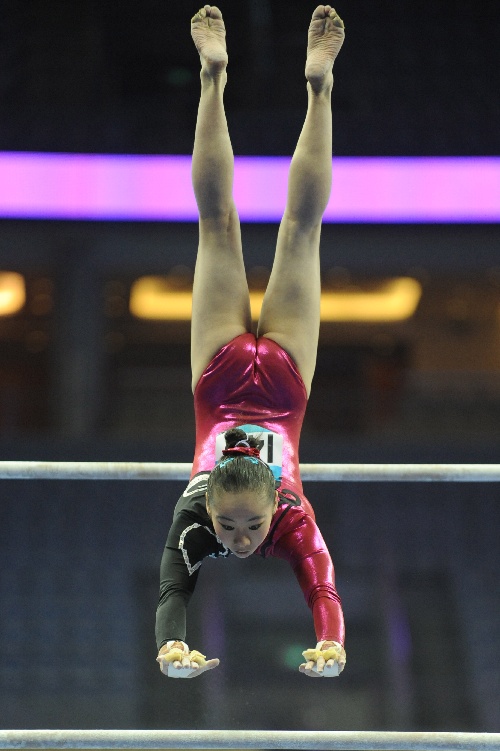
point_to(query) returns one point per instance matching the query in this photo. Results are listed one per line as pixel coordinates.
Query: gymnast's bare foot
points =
(209, 35)
(326, 34)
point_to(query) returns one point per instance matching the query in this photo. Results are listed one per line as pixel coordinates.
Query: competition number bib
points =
(271, 452)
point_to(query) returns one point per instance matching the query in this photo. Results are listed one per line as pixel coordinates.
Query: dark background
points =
(80, 378)
(413, 78)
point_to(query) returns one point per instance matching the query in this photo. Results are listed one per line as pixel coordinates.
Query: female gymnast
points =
(245, 495)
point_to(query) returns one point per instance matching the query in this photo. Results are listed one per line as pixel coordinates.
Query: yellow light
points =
(392, 300)
(256, 299)
(155, 298)
(12, 293)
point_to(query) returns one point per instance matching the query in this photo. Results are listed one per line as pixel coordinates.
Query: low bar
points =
(248, 739)
(34, 470)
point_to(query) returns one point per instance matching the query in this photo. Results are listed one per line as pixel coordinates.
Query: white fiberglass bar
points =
(248, 739)
(34, 470)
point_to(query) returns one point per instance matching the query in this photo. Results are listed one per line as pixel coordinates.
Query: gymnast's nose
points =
(241, 540)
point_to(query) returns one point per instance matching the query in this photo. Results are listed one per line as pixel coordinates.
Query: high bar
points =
(249, 739)
(35, 470)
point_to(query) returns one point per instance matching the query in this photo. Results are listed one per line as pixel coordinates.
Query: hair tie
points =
(242, 450)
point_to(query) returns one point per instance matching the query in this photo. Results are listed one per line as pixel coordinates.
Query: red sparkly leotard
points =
(249, 381)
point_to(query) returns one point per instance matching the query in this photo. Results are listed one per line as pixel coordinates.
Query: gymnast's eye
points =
(254, 527)
(226, 527)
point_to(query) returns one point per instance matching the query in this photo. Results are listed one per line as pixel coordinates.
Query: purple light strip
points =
(158, 188)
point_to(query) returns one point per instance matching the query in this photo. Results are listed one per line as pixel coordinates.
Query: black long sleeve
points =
(176, 588)
(191, 539)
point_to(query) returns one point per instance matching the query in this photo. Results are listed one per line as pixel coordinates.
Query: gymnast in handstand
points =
(245, 495)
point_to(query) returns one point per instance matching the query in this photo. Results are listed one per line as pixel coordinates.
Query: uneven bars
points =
(34, 470)
(326, 740)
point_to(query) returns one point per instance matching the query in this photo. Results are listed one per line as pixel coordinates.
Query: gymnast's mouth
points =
(241, 553)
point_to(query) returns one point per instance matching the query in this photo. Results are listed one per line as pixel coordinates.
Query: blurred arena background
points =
(83, 375)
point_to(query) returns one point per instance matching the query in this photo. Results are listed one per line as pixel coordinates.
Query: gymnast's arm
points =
(177, 585)
(176, 588)
(305, 549)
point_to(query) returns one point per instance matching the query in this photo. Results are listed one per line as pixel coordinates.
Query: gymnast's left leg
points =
(290, 311)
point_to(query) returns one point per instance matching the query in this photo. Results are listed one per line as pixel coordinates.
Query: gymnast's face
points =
(241, 520)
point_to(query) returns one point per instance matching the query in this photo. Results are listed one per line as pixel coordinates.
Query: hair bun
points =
(235, 435)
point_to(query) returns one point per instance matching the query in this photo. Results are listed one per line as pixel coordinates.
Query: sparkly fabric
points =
(254, 381)
(297, 539)
(250, 381)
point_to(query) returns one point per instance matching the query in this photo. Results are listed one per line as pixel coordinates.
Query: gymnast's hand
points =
(326, 661)
(177, 661)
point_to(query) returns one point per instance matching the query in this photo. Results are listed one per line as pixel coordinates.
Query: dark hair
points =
(237, 473)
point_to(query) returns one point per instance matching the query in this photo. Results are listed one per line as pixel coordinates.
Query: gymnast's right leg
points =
(291, 308)
(221, 303)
